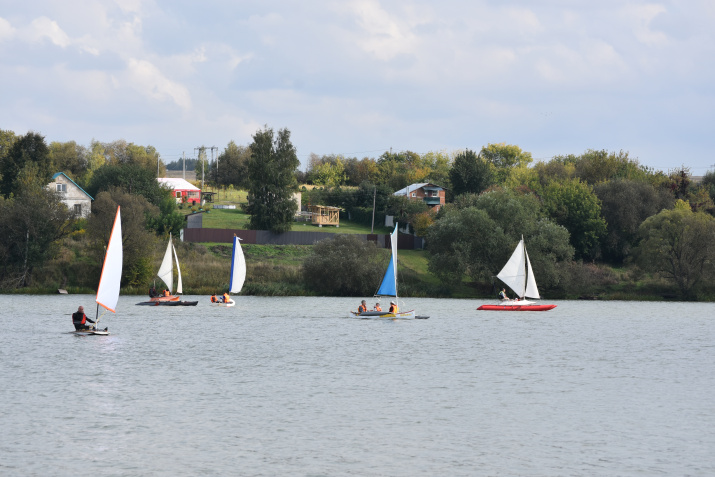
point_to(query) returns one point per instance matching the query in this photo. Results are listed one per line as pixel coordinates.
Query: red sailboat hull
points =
(517, 307)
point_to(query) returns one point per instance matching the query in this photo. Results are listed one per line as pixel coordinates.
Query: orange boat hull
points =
(517, 307)
(165, 298)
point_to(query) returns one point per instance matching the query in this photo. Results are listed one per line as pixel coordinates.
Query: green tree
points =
(70, 158)
(25, 150)
(574, 205)
(132, 178)
(680, 245)
(505, 158)
(32, 221)
(272, 181)
(138, 242)
(625, 204)
(231, 167)
(470, 174)
(344, 266)
(330, 174)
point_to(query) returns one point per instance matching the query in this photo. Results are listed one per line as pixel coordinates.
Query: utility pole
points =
(374, 194)
(183, 157)
(212, 160)
(201, 150)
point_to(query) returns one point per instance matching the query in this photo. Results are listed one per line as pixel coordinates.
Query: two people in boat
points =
(503, 296)
(225, 298)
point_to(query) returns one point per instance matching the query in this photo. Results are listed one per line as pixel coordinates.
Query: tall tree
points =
(231, 167)
(29, 149)
(505, 158)
(271, 176)
(625, 204)
(470, 174)
(574, 205)
(32, 222)
(679, 244)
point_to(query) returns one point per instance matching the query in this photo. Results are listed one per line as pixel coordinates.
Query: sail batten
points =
(110, 279)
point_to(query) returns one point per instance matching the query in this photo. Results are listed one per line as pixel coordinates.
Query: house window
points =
(61, 187)
(78, 210)
(414, 194)
(178, 195)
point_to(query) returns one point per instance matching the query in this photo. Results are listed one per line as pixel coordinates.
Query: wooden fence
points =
(404, 242)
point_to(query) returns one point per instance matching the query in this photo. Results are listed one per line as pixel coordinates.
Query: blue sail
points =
(388, 287)
(389, 284)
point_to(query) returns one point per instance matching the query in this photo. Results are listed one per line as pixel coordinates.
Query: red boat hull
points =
(517, 307)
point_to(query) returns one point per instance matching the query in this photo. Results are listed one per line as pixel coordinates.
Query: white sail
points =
(166, 270)
(179, 288)
(518, 275)
(108, 290)
(514, 272)
(238, 267)
(531, 290)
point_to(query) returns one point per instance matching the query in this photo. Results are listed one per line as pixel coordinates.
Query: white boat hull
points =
(225, 305)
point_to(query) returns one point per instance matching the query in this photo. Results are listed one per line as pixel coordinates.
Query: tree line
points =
(575, 211)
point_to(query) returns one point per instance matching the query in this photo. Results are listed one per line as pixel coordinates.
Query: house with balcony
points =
(433, 195)
(74, 197)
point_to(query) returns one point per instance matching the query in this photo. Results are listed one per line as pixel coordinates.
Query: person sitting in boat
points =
(377, 307)
(226, 298)
(166, 293)
(214, 299)
(152, 292)
(502, 294)
(393, 307)
(79, 320)
(363, 307)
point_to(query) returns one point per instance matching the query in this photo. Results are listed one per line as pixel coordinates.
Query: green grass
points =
(225, 219)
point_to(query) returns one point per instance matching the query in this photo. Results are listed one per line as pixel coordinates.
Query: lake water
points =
(291, 386)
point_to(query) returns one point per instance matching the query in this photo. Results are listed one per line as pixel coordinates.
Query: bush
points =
(344, 266)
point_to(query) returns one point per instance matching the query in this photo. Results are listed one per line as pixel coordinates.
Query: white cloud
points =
(6, 29)
(146, 78)
(43, 27)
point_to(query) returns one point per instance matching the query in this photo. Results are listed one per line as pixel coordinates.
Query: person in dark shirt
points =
(79, 320)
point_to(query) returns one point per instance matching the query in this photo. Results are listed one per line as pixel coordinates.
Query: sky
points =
(361, 77)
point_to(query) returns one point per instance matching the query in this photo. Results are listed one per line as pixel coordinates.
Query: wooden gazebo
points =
(324, 215)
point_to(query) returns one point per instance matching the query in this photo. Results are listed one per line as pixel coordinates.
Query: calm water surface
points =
(290, 386)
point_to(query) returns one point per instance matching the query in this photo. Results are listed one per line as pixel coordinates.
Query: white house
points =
(183, 189)
(74, 197)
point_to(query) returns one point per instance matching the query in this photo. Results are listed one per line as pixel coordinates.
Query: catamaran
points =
(388, 288)
(166, 274)
(109, 280)
(238, 272)
(518, 275)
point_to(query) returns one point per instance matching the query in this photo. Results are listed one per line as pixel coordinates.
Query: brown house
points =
(432, 195)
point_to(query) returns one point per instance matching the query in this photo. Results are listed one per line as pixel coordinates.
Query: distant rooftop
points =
(177, 183)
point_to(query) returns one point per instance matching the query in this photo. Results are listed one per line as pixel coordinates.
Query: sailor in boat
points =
(226, 298)
(394, 308)
(166, 293)
(214, 299)
(502, 295)
(377, 307)
(362, 308)
(79, 320)
(152, 292)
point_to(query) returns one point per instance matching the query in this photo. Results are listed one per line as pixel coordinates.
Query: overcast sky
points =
(360, 77)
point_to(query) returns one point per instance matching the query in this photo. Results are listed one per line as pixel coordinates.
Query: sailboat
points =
(109, 280)
(388, 288)
(166, 274)
(238, 272)
(518, 275)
